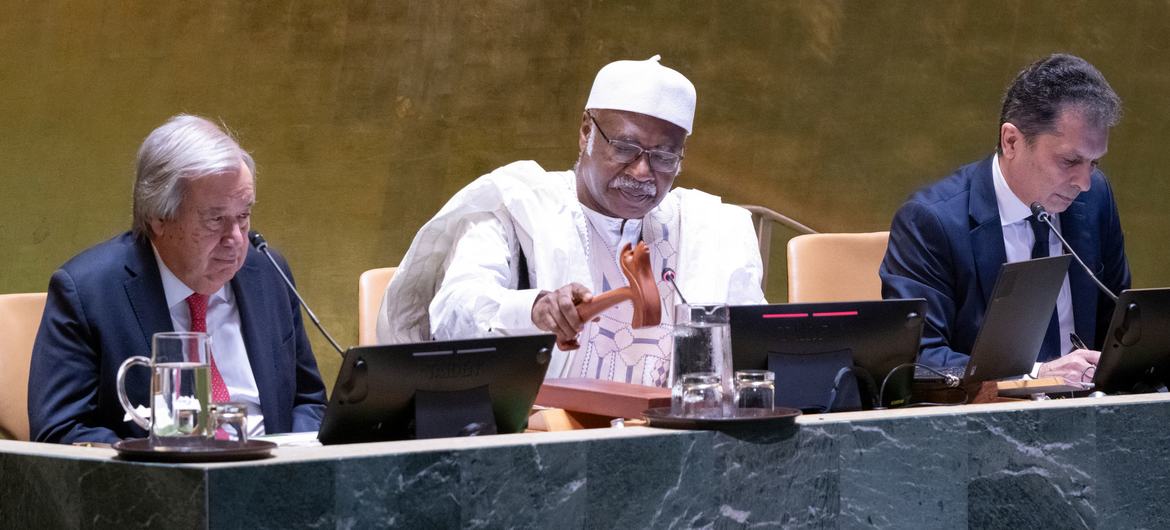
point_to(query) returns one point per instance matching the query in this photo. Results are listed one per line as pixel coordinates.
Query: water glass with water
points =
(702, 343)
(180, 388)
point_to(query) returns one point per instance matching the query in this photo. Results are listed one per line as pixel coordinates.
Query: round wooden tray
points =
(780, 416)
(140, 450)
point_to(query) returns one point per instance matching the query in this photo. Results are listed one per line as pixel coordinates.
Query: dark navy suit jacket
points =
(946, 245)
(105, 304)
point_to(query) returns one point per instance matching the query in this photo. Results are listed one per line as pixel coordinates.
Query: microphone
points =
(262, 245)
(1043, 216)
(668, 275)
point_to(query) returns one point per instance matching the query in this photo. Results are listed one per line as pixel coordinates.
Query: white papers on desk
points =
(292, 439)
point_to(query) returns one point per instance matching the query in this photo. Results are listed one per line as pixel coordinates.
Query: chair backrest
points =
(763, 218)
(835, 267)
(371, 288)
(20, 316)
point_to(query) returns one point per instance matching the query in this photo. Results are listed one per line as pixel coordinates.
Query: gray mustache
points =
(624, 182)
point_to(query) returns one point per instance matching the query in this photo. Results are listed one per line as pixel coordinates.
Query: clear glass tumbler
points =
(231, 421)
(755, 389)
(702, 395)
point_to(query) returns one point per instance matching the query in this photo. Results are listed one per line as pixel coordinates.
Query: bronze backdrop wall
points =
(365, 116)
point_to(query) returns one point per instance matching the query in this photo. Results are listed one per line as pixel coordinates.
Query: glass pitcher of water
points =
(702, 343)
(180, 388)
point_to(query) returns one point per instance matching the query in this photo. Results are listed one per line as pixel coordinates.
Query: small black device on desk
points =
(1135, 353)
(809, 345)
(436, 389)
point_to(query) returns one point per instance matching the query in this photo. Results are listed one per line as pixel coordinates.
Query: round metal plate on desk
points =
(140, 450)
(778, 417)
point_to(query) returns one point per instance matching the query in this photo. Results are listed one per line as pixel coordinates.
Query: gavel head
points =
(635, 264)
(642, 292)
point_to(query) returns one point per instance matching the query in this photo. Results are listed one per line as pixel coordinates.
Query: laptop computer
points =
(436, 389)
(1135, 353)
(1015, 321)
(807, 346)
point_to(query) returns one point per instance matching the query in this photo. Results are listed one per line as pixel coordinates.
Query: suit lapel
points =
(144, 289)
(986, 231)
(251, 302)
(1074, 226)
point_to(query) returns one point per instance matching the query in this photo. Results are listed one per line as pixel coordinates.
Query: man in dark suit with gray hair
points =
(186, 265)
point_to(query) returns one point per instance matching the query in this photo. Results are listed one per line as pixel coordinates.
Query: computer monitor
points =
(878, 335)
(436, 389)
(1135, 353)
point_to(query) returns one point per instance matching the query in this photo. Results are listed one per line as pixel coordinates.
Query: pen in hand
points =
(1077, 343)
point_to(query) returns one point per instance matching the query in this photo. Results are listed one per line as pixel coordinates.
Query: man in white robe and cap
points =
(510, 253)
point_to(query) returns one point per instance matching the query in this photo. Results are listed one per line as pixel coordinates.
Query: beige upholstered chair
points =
(835, 267)
(371, 288)
(20, 316)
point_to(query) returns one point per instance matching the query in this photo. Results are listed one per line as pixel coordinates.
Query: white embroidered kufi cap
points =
(645, 87)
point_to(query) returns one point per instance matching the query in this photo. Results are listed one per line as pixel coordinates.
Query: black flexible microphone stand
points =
(262, 245)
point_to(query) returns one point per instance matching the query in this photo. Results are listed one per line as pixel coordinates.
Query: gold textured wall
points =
(365, 116)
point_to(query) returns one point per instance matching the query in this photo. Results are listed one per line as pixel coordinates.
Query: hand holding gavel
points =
(566, 310)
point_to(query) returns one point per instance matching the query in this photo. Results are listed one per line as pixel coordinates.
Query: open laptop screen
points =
(1016, 319)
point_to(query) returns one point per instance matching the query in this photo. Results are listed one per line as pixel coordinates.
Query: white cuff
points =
(515, 313)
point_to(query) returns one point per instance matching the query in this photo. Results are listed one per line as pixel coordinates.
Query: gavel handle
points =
(589, 310)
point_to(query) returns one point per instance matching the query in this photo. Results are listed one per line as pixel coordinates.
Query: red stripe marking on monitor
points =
(785, 315)
(836, 314)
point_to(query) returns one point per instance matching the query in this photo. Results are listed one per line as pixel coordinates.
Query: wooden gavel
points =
(642, 291)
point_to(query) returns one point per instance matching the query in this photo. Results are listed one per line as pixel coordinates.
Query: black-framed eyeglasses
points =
(627, 153)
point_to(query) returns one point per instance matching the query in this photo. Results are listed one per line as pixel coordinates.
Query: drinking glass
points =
(230, 421)
(702, 395)
(180, 388)
(755, 389)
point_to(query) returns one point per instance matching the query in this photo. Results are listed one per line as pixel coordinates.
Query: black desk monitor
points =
(1136, 350)
(436, 389)
(1016, 319)
(879, 335)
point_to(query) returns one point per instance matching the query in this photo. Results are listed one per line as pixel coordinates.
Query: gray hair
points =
(184, 148)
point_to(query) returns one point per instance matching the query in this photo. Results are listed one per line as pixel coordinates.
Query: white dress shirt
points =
(615, 232)
(1018, 239)
(227, 340)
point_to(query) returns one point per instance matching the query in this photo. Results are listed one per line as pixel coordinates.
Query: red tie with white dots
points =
(197, 303)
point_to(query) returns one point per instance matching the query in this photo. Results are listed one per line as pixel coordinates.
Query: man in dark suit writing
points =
(948, 241)
(186, 265)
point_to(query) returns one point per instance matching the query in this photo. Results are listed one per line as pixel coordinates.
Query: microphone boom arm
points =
(262, 245)
(1043, 216)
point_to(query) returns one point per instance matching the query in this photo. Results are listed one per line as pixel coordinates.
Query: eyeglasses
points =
(627, 153)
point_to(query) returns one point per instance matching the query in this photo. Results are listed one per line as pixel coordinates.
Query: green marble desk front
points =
(1101, 462)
